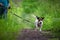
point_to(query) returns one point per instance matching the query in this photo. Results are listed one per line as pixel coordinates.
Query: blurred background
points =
(50, 9)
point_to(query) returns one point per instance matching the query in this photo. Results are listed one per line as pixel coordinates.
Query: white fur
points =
(41, 25)
(36, 22)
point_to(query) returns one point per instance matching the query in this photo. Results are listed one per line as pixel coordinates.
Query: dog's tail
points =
(35, 16)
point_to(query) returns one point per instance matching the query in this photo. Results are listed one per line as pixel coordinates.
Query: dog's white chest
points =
(36, 21)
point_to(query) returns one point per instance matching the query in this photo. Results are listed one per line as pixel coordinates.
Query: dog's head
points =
(40, 18)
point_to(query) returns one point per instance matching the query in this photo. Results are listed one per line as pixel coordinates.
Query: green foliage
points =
(50, 9)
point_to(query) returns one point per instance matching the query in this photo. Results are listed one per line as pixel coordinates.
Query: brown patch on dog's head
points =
(41, 18)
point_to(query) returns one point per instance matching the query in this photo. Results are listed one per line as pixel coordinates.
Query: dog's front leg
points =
(40, 29)
(41, 26)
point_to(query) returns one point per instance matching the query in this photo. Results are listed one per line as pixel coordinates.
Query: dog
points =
(38, 22)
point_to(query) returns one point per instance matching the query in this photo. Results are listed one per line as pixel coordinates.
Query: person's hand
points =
(1, 4)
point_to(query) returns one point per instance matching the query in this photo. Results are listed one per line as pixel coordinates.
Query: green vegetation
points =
(50, 9)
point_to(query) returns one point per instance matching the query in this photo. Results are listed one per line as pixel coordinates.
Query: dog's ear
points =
(37, 17)
(42, 18)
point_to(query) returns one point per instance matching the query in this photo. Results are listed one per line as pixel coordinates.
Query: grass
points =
(9, 28)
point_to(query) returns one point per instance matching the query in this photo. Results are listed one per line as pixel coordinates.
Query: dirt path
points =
(28, 34)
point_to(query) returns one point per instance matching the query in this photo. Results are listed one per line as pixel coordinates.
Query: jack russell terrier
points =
(39, 22)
